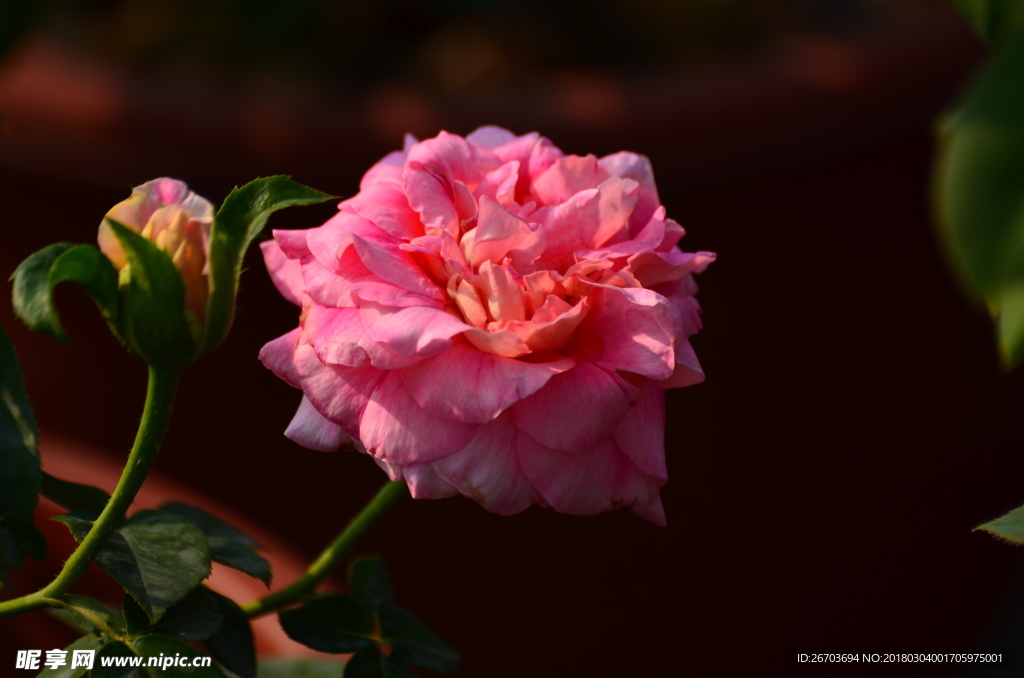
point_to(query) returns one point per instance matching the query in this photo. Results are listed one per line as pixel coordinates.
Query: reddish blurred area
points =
(824, 481)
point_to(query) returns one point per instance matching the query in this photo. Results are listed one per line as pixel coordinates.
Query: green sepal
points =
(1009, 526)
(370, 662)
(158, 558)
(37, 276)
(413, 643)
(153, 322)
(980, 194)
(995, 20)
(89, 642)
(237, 223)
(331, 623)
(232, 646)
(20, 474)
(228, 545)
(93, 617)
(369, 583)
(73, 496)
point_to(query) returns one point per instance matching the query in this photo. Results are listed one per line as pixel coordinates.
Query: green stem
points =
(332, 556)
(155, 417)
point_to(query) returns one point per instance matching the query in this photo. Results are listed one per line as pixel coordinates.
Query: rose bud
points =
(491, 317)
(178, 221)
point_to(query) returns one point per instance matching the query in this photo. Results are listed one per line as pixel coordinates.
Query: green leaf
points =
(980, 192)
(122, 661)
(194, 617)
(158, 558)
(369, 583)
(19, 454)
(19, 538)
(238, 222)
(1009, 526)
(370, 662)
(995, 20)
(72, 496)
(233, 646)
(299, 668)
(89, 642)
(228, 545)
(91, 616)
(413, 643)
(135, 620)
(153, 321)
(163, 648)
(332, 623)
(37, 276)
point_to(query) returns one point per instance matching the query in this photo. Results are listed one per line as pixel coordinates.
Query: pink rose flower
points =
(178, 221)
(491, 317)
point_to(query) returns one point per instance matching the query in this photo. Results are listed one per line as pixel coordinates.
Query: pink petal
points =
(338, 337)
(279, 356)
(499, 342)
(413, 330)
(468, 385)
(309, 429)
(387, 170)
(653, 268)
(577, 409)
(585, 221)
(381, 255)
(590, 481)
(687, 370)
(500, 292)
(395, 428)
(635, 330)
(357, 282)
(551, 330)
(638, 168)
(490, 136)
(386, 206)
(425, 483)
(286, 273)
(338, 393)
(499, 233)
(488, 470)
(432, 168)
(641, 435)
(292, 243)
(566, 177)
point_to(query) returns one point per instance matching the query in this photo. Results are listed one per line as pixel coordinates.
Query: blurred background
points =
(854, 425)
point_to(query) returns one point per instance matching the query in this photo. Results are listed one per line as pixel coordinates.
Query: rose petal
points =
(338, 393)
(641, 434)
(590, 481)
(310, 429)
(468, 385)
(488, 469)
(577, 409)
(286, 273)
(395, 428)
(411, 331)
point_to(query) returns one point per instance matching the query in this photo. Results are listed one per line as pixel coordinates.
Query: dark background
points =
(854, 426)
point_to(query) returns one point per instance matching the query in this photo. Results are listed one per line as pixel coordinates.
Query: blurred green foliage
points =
(980, 176)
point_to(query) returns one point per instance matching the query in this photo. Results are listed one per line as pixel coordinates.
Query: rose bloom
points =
(491, 317)
(178, 221)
